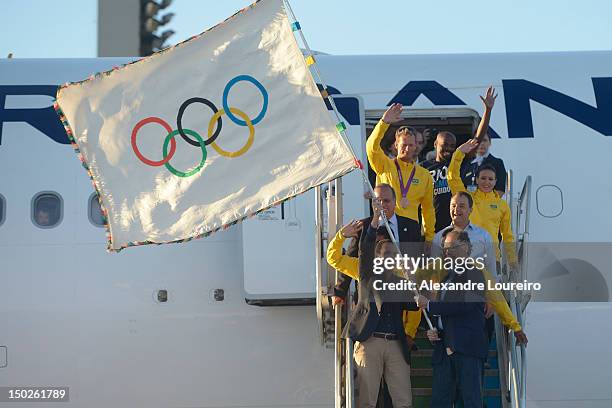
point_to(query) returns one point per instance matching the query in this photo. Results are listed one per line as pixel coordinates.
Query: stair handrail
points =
(511, 355)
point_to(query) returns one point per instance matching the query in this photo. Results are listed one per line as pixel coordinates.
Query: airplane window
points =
(549, 201)
(95, 211)
(47, 209)
(2, 205)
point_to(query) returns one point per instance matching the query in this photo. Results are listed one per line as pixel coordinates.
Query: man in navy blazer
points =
(460, 344)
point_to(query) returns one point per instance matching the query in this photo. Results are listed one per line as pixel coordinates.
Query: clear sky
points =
(67, 28)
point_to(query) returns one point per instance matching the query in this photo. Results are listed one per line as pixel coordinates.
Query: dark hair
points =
(486, 167)
(385, 185)
(380, 243)
(462, 236)
(382, 234)
(467, 196)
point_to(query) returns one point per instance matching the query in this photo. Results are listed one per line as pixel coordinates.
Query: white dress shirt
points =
(479, 159)
(393, 225)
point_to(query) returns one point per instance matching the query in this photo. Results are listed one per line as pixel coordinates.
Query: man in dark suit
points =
(460, 344)
(348, 263)
(403, 230)
(377, 328)
(410, 243)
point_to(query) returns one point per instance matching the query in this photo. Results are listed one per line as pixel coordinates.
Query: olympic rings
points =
(166, 126)
(246, 146)
(202, 145)
(179, 119)
(213, 133)
(259, 86)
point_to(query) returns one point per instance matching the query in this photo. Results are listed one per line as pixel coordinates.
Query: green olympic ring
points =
(165, 153)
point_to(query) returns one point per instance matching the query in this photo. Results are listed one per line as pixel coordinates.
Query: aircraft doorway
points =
(461, 122)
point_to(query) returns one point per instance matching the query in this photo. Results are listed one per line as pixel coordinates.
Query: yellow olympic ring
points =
(247, 146)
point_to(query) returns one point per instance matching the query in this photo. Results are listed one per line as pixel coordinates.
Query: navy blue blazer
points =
(463, 320)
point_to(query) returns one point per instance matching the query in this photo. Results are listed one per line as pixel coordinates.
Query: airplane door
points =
(279, 244)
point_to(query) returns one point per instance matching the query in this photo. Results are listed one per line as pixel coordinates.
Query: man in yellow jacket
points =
(413, 184)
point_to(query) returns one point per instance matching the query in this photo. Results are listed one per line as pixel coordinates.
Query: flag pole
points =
(341, 127)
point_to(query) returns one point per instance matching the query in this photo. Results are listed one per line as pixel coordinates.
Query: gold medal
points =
(404, 202)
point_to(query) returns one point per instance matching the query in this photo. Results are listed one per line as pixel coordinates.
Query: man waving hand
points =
(413, 185)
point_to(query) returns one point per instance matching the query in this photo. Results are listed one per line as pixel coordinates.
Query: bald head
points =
(386, 195)
(445, 145)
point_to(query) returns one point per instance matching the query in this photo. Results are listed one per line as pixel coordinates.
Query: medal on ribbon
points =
(404, 188)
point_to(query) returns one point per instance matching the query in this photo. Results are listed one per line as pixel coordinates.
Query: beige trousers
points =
(374, 358)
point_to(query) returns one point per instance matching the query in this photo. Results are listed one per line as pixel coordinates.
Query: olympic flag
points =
(204, 134)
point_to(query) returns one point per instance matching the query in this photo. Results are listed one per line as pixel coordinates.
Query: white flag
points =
(206, 133)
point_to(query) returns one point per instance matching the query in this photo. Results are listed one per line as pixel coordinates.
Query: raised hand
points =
(489, 98)
(468, 146)
(393, 114)
(352, 229)
(377, 209)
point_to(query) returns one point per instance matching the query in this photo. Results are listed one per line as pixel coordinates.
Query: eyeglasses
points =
(453, 247)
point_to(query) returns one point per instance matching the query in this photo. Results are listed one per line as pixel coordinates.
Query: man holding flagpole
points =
(412, 183)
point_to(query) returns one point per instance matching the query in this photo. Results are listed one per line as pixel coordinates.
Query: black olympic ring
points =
(179, 119)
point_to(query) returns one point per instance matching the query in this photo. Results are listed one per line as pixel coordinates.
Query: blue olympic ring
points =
(261, 88)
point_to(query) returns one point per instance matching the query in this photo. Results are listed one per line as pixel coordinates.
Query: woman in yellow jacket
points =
(490, 212)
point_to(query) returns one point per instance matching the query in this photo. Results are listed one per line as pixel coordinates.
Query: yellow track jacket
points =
(490, 211)
(421, 189)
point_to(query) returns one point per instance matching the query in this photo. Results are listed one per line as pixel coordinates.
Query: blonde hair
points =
(405, 131)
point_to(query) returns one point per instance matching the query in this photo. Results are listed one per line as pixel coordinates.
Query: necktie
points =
(392, 226)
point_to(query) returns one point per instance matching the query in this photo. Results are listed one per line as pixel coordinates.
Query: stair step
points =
(429, 353)
(421, 392)
(428, 372)
(423, 401)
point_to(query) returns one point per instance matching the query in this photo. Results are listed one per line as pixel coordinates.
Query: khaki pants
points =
(374, 358)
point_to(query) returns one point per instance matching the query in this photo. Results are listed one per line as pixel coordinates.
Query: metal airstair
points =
(505, 373)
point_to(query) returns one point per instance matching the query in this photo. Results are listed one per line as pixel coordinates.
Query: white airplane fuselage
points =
(73, 315)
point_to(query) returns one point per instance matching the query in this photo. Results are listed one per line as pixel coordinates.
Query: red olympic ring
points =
(166, 126)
